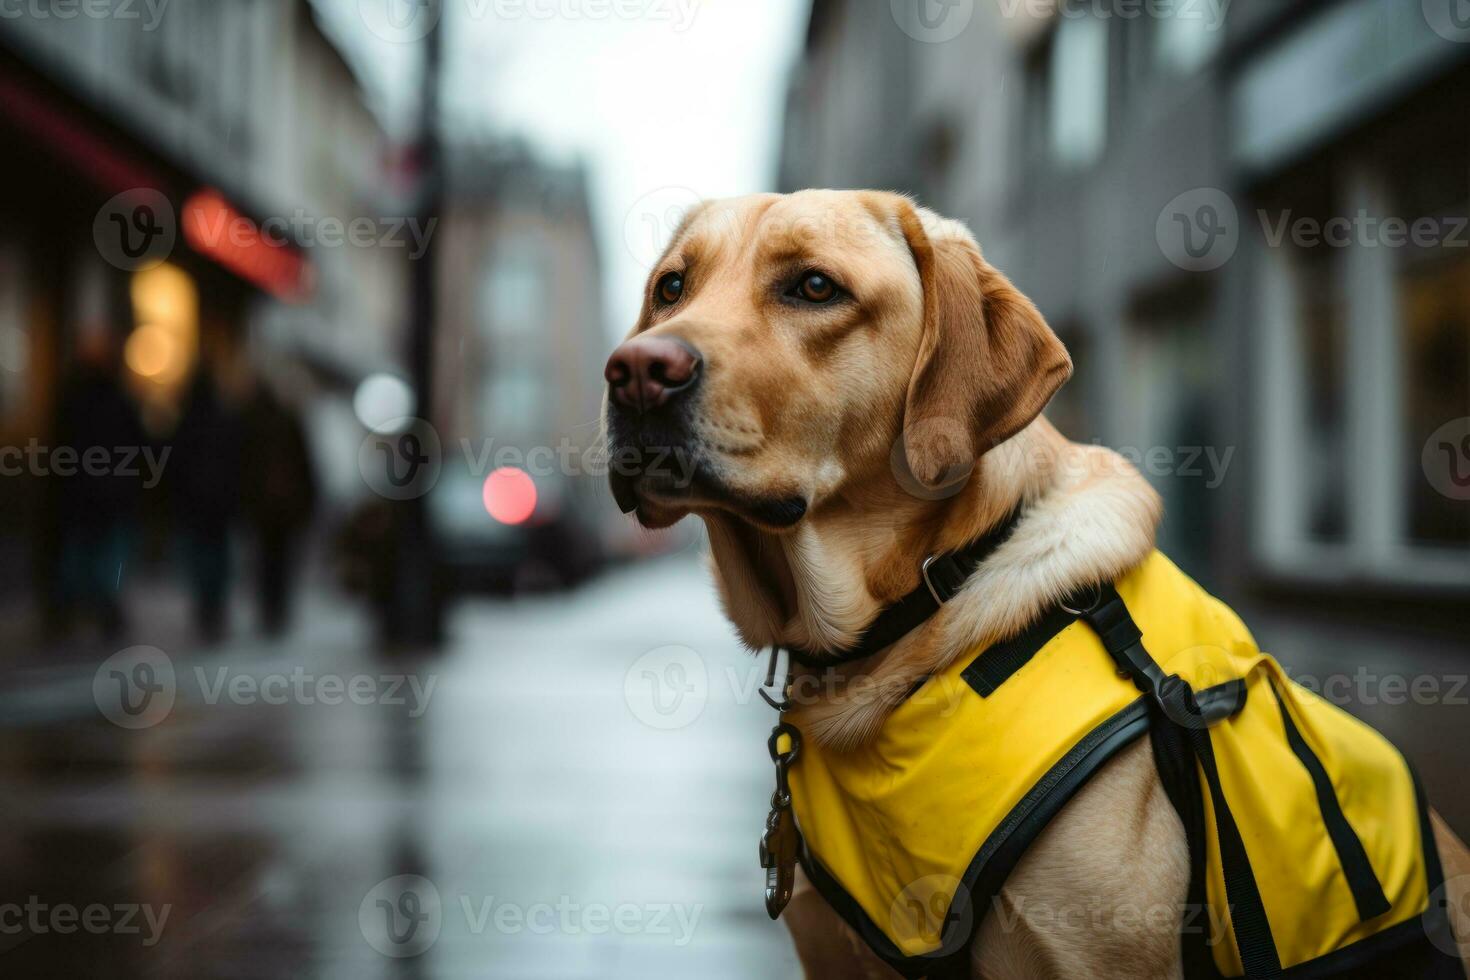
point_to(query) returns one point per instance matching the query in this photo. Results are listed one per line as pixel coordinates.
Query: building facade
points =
(181, 178)
(520, 332)
(1215, 206)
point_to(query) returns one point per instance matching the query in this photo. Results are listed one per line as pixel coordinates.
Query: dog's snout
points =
(645, 372)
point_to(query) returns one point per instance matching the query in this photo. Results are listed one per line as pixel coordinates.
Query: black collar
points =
(941, 576)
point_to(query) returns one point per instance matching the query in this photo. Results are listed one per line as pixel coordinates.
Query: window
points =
(1078, 83)
(1323, 461)
(1435, 309)
(1064, 112)
(1167, 419)
(513, 303)
(511, 405)
(1186, 37)
(1364, 357)
(513, 292)
(1432, 279)
(1035, 107)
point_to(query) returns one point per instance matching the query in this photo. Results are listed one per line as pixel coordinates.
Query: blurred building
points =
(245, 139)
(1133, 175)
(519, 346)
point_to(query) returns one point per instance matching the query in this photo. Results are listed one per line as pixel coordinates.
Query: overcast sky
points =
(665, 100)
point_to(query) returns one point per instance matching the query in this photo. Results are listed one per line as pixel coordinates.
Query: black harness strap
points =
(1180, 775)
(1362, 881)
(996, 665)
(1176, 703)
(941, 576)
(1247, 912)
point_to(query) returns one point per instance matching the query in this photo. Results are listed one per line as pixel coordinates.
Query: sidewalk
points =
(553, 825)
(47, 679)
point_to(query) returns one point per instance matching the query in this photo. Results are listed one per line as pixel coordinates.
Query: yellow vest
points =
(911, 836)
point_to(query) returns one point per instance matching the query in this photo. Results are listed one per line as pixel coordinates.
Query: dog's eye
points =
(670, 288)
(815, 288)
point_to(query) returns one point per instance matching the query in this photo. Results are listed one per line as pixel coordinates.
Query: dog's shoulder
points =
(1113, 863)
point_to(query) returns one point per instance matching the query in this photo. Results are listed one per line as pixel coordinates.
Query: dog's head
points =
(791, 345)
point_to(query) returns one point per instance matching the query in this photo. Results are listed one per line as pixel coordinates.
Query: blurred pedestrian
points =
(278, 494)
(96, 510)
(206, 468)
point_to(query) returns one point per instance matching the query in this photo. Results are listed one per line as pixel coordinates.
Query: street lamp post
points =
(416, 614)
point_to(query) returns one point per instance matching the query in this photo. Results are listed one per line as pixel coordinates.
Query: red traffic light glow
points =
(510, 495)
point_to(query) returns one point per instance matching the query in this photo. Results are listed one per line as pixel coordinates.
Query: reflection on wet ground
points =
(546, 827)
(573, 788)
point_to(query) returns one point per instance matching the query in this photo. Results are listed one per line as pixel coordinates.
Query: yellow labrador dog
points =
(839, 385)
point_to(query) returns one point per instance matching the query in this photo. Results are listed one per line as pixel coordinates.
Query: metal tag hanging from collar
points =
(782, 839)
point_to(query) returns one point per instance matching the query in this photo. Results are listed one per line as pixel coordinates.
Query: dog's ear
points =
(987, 361)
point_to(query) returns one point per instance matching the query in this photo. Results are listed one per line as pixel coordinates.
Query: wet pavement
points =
(573, 787)
(558, 793)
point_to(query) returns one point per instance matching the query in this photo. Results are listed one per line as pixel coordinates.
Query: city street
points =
(352, 352)
(574, 787)
(575, 815)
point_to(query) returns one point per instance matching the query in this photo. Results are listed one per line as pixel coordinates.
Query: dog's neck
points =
(1087, 516)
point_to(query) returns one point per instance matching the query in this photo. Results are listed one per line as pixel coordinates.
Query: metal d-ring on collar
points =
(784, 704)
(929, 582)
(1084, 610)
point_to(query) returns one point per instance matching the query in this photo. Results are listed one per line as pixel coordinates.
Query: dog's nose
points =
(645, 372)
